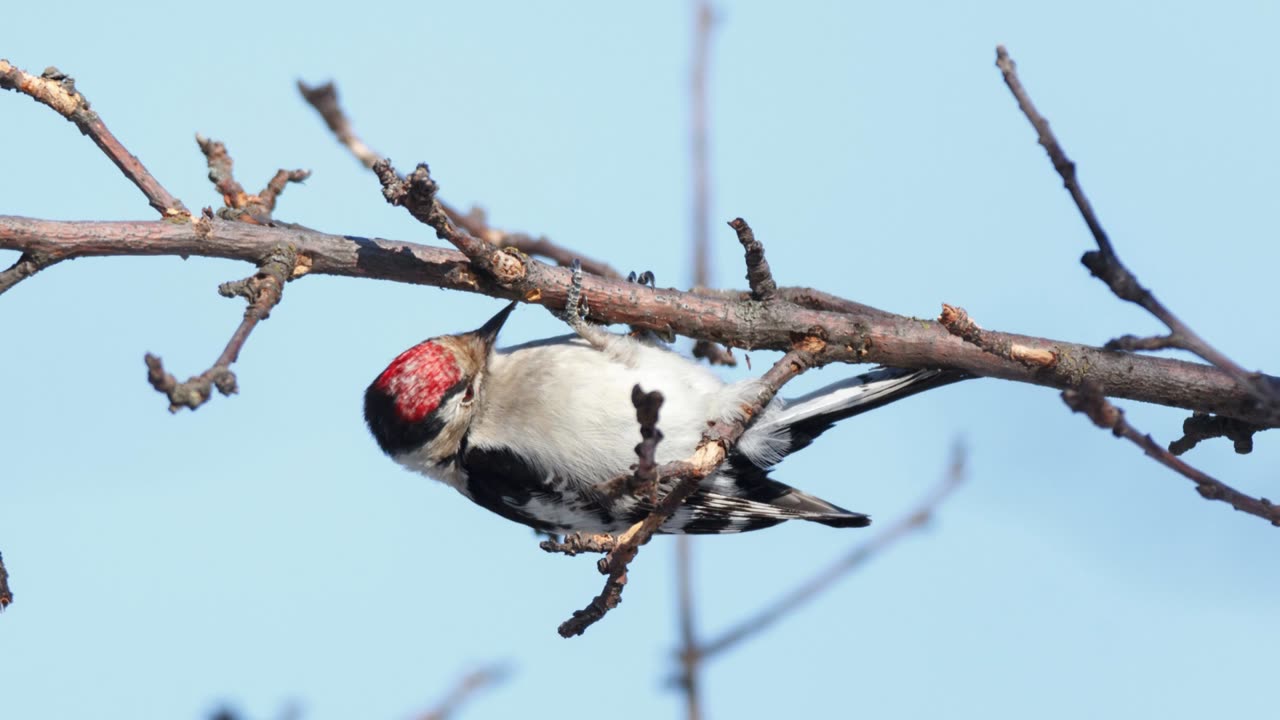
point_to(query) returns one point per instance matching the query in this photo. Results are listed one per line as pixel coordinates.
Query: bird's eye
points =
(469, 395)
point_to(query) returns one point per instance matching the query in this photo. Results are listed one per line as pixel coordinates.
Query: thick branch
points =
(858, 334)
(58, 91)
(1106, 265)
(1090, 401)
(699, 140)
(419, 194)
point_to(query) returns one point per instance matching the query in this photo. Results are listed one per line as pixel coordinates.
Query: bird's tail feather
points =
(809, 416)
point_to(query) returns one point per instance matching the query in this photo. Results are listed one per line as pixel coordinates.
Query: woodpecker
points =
(529, 432)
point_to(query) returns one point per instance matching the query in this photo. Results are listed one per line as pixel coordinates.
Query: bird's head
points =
(425, 399)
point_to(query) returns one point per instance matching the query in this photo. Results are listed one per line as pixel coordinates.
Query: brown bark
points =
(847, 333)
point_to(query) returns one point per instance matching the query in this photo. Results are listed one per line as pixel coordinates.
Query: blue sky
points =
(261, 552)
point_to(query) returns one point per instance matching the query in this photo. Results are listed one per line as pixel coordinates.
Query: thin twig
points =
(1203, 426)
(958, 323)
(698, 143)
(759, 276)
(806, 592)
(238, 204)
(419, 194)
(1088, 400)
(57, 90)
(644, 479)
(467, 687)
(579, 543)
(263, 291)
(6, 595)
(714, 353)
(324, 98)
(1106, 265)
(27, 264)
(682, 477)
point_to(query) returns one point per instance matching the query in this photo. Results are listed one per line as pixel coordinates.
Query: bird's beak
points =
(488, 332)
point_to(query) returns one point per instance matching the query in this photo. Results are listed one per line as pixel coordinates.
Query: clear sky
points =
(261, 552)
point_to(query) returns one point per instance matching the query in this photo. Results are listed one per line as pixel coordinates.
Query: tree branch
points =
(238, 204)
(57, 91)
(699, 72)
(805, 593)
(682, 477)
(856, 334)
(1201, 426)
(263, 291)
(468, 686)
(324, 98)
(1106, 265)
(1090, 401)
(27, 264)
(759, 276)
(958, 323)
(6, 595)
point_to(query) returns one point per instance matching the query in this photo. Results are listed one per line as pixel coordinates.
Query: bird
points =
(530, 432)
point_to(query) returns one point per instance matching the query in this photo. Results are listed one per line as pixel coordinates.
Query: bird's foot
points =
(576, 311)
(578, 543)
(644, 278)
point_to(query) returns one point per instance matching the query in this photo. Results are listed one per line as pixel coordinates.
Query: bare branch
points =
(690, 661)
(6, 595)
(805, 593)
(419, 194)
(58, 91)
(542, 247)
(468, 686)
(1090, 401)
(699, 73)
(263, 291)
(1131, 343)
(1106, 266)
(1201, 426)
(240, 205)
(856, 334)
(759, 276)
(28, 264)
(958, 323)
(324, 98)
(682, 477)
(714, 353)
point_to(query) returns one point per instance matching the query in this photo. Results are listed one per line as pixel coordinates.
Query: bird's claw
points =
(644, 278)
(575, 303)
